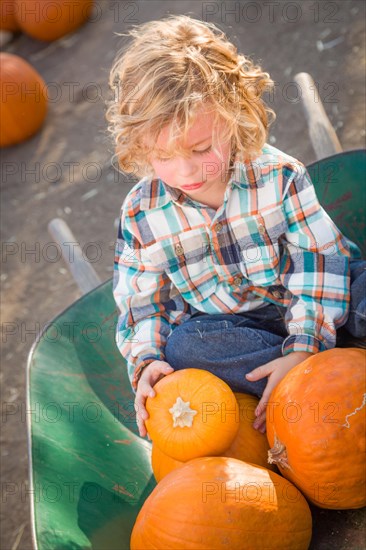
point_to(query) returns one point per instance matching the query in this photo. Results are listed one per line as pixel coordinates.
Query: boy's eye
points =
(207, 150)
(160, 159)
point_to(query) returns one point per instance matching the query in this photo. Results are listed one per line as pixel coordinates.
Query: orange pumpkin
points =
(249, 444)
(23, 102)
(216, 503)
(8, 20)
(317, 428)
(194, 413)
(51, 19)
(162, 464)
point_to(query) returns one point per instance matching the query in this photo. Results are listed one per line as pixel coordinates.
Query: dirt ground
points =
(65, 171)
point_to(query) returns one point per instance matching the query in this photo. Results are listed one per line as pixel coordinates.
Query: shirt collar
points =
(155, 193)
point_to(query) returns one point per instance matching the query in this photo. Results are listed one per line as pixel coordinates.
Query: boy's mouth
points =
(192, 186)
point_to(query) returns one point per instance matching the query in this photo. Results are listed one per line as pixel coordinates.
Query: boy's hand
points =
(150, 375)
(275, 370)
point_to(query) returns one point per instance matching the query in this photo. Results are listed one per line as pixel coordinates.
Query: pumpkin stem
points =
(182, 413)
(278, 454)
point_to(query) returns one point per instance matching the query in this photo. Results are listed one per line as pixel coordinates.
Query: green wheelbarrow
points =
(90, 472)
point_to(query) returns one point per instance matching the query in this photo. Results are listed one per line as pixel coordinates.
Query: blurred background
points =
(64, 170)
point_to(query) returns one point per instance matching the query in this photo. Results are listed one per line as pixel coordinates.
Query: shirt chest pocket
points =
(185, 258)
(257, 238)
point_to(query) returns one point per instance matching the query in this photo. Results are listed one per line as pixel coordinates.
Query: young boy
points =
(225, 260)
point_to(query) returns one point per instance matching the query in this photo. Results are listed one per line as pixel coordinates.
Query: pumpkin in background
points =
(317, 428)
(23, 101)
(51, 19)
(8, 20)
(216, 503)
(248, 445)
(194, 413)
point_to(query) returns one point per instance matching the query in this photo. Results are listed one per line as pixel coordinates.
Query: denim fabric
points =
(231, 345)
(356, 323)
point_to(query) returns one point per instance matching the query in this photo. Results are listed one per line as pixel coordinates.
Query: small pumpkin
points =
(216, 503)
(23, 101)
(194, 413)
(248, 445)
(49, 20)
(8, 20)
(317, 428)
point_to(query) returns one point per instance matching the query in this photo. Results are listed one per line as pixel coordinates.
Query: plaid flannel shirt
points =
(270, 241)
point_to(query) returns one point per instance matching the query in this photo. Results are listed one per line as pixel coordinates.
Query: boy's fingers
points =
(142, 429)
(258, 373)
(263, 370)
(140, 407)
(141, 415)
(168, 368)
(262, 428)
(161, 368)
(264, 400)
(259, 422)
(145, 390)
(150, 377)
(261, 416)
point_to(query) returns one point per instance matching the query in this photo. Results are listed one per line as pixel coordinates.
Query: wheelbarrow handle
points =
(322, 135)
(83, 273)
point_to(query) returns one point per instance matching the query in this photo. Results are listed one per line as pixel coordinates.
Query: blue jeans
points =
(231, 345)
(356, 323)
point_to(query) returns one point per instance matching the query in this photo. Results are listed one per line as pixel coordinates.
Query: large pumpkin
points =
(194, 413)
(23, 101)
(216, 503)
(248, 445)
(316, 428)
(51, 19)
(8, 20)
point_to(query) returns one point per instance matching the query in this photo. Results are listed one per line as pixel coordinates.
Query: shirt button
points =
(218, 227)
(261, 229)
(277, 294)
(237, 281)
(179, 250)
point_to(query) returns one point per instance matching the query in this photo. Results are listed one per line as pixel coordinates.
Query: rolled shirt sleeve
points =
(315, 269)
(149, 304)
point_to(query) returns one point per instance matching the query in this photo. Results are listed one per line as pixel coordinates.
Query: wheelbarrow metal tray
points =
(90, 471)
(340, 184)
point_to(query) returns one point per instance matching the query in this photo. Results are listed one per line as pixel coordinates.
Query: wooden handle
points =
(83, 273)
(322, 135)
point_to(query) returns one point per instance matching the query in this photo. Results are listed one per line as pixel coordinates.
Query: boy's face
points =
(202, 172)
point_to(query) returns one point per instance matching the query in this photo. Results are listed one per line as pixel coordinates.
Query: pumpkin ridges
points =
(200, 440)
(317, 467)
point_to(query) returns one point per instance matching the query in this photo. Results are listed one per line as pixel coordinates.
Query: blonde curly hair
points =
(170, 69)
